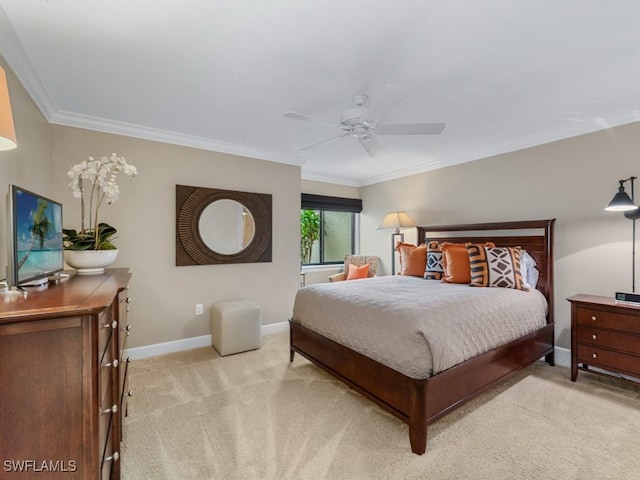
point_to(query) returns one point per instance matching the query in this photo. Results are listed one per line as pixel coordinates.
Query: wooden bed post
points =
(418, 417)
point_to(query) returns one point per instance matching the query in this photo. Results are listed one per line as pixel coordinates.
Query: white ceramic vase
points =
(88, 262)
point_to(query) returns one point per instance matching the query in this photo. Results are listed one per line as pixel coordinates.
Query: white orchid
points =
(97, 179)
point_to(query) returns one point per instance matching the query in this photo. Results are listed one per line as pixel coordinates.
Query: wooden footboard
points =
(420, 402)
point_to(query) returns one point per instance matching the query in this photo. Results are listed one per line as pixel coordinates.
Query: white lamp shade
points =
(397, 220)
(7, 130)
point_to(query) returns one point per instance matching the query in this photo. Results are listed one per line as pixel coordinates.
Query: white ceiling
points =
(219, 74)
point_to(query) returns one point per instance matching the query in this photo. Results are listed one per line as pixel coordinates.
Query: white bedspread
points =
(415, 326)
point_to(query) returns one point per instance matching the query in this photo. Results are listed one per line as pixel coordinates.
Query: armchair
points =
(358, 261)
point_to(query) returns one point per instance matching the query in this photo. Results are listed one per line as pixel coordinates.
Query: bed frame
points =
(419, 403)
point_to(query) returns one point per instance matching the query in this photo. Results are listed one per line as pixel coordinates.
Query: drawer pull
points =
(113, 409)
(594, 355)
(130, 393)
(593, 318)
(112, 325)
(127, 328)
(113, 364)
(115, 457)
(128, 300)
(594, 336)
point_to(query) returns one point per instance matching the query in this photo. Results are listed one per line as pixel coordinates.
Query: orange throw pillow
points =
(457, 268)
(355, 272)
(413, 260)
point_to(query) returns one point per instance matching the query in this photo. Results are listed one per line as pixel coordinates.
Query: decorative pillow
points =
(457, 268)
(435, 262)
(413, 260)
(495, 267)
(355, 272)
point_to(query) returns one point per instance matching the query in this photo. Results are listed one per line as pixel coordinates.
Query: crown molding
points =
(164, 136)
(507, 147)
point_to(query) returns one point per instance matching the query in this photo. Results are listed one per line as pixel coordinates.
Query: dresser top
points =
(604, 301)
(76, 295)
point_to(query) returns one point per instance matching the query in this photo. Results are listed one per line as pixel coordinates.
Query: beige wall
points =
(28, 165)
(329, 189)
(165, 295)
(570, 180)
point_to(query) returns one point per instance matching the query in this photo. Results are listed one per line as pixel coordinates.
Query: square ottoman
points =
(236, 326)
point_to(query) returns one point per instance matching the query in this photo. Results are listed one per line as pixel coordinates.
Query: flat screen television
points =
(34, 244)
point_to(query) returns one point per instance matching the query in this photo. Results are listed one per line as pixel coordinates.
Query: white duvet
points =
(415, 326)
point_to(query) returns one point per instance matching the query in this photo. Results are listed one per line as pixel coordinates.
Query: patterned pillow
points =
(435, 262)
(495, 267)
(456, 262)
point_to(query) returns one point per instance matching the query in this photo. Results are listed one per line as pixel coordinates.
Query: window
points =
(328, 228)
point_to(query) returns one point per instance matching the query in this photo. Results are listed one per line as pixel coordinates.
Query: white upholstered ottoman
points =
(236, 326)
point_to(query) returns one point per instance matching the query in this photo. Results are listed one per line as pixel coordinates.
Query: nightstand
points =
(605, 334)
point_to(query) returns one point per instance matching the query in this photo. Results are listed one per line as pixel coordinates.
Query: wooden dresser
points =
(63, 378)
(605, 334)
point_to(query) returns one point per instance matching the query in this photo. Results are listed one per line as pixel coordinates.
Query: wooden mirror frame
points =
(192, 250)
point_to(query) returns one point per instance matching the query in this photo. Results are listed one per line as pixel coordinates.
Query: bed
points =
(419, 392)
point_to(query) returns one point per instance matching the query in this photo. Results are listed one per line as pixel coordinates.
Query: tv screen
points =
(35, 236)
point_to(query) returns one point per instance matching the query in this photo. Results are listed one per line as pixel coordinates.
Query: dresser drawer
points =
(602, 319)
(107, 373)
(608, 359)
(109, 458)
(609, 339)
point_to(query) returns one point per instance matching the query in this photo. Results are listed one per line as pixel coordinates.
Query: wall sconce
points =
(622, 203)
(7, 130)
(396, 220)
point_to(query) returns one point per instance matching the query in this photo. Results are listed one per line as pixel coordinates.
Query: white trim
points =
(563, 357)
(193, 342)
(122, 128)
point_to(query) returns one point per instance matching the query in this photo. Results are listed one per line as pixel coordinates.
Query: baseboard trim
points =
(194, 342)
(562, 358)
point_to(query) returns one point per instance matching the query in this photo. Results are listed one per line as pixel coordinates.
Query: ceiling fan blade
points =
(385, 100)
(409, 128)
(371, 145)
(314, 145)
(307, 118)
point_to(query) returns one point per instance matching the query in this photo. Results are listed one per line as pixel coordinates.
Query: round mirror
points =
(222, 226)
(226, 226)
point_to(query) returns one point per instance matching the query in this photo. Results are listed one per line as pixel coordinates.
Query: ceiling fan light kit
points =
(361, 121)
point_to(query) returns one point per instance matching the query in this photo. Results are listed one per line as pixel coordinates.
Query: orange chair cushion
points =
(457, 268)
(354, 272)
(413, 259)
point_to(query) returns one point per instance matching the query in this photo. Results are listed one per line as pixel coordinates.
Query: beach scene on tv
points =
(38, 229)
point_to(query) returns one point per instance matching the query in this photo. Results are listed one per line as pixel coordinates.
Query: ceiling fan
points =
(363, 121)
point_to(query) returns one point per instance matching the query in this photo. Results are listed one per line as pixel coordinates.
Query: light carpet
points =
(254, 415)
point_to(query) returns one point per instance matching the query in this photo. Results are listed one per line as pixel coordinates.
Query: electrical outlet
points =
(199, 309)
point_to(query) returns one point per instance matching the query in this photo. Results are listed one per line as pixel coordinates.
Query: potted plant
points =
(309, 233)
(93, 181)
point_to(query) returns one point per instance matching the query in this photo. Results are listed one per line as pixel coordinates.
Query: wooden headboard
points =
(534, 236)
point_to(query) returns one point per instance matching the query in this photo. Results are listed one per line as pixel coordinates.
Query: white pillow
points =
(529, 271)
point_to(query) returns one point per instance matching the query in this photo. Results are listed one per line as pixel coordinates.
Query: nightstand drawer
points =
(608, 359)
(609, 339)
(602, 319)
